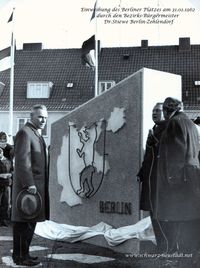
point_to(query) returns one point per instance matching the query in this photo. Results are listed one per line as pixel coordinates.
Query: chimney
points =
(184, 44)
(144, 44)
(126, 56)
(32, 46)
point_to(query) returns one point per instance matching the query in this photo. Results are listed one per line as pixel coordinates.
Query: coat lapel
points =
(42, 143)
(35, 131)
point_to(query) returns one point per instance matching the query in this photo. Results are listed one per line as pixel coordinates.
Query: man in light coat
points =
(30, 173)
(178, 181)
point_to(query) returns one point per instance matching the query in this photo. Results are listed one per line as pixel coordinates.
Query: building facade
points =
(57, 79)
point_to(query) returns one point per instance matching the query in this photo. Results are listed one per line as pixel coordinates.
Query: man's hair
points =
(38, 106)
(159, 104)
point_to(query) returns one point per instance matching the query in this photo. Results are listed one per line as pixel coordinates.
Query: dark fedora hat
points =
(28, 205)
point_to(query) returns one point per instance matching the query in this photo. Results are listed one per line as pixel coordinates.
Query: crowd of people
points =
(6, 175)
(170, 178)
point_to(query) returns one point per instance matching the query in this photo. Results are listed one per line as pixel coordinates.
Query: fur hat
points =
(172, 105)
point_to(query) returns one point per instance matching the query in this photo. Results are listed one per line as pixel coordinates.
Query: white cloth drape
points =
(142, 230)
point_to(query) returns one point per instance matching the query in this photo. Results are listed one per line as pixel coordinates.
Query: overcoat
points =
(148, 170)
(178, 177)
(31, 168)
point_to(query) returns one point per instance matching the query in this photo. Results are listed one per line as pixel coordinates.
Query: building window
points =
(39, 90)
(105, 85)
(22, 121)
(70, 85)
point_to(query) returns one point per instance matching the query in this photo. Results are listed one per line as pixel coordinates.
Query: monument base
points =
(131, 246)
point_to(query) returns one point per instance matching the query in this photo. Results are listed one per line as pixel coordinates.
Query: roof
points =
(58, 66)
(162, 58)
(61, 66)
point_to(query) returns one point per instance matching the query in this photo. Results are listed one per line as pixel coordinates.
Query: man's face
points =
(39, 118)
(157, 114)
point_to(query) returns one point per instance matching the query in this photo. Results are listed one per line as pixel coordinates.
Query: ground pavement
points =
(82, 255)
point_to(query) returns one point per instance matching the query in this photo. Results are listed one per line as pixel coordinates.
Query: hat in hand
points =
(28, 205)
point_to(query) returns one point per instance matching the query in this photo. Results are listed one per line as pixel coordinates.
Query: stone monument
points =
(97, 149)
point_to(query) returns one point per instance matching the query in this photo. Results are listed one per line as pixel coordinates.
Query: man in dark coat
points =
(178, 181)
(31, 173)
(148, 172)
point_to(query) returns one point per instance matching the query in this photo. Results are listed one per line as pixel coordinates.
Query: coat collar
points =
(178, 113)
(30, 125)
(35, 131)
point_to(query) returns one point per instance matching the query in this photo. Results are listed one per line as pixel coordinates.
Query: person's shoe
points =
(3, 223)
(26, 262)
(16, 259)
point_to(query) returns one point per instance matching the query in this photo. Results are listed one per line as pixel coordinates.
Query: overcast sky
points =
(62, 24)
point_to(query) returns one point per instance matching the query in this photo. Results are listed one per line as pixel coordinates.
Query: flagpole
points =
(96, 57)
(12, 52)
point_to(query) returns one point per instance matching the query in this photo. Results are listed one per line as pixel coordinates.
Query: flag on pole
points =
(5, 59)
(11, 99)
(11, 18)
(86, 49)
(5, 53)
(94, 11)
(92, 45)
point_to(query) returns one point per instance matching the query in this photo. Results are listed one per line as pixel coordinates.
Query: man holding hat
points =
(177, 205)
(30, 198)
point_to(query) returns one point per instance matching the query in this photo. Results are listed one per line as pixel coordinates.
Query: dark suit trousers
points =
(4, 202)
(22, 236)
(181, 237)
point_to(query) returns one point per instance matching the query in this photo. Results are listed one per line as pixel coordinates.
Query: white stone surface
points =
(7, 261)
(35, 248)
(81, 258)
(6, 238)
